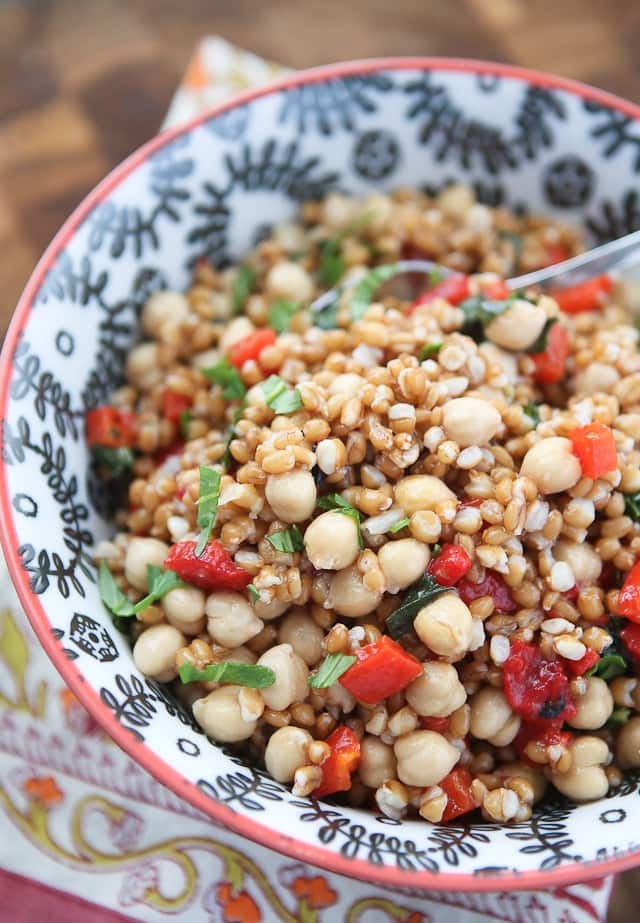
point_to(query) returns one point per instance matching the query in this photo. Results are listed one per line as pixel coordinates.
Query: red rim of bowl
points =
(247, 826)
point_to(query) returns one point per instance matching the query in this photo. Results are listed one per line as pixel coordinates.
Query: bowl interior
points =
(214, 190)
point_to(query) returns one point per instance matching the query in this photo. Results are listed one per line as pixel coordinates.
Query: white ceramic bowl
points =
(524, 139)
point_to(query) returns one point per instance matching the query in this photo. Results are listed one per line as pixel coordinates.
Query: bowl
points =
(523, 139)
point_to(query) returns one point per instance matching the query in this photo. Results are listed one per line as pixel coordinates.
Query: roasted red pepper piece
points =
(251, 346)
(586, 296)
(110, 427)
(537, 688)
(595, 448)
(545, 736)
(629, 595)
(341, 762)
(493, 585)
(556, 253)
(550, 364)
(213, 570)
(457, 788)
(174, 404)
(450, 565)
(495, 290)
(431, 723)
(382, 668)
(578, 667)
(454, 289)
(630, 635)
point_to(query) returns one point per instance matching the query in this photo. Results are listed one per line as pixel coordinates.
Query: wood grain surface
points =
(84, 82)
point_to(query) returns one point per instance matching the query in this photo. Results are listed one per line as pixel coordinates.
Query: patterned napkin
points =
(87, 835)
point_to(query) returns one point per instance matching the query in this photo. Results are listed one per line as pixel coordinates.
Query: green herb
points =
(618, 717)
(338, 503)
(327, 317)
(632, 506)
(159, 583)
(532, 412)
(116, 460)
(207, 505)
(419, 595)
(228, 377)
(241, 674)
(332, 264)
(243, 282)
(436, 276)
(436, 548)
(280, 397)
(253, 592)
(516, 242)
(431, 349)
(608, 667)
(287, 541)
(401, 524)
(330, 670)
(227, 458)
(541, 343)
(367, 287)
(280, 313)
(185, 419)
(482, 310)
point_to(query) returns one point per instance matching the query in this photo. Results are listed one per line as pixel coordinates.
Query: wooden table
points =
(84, 83)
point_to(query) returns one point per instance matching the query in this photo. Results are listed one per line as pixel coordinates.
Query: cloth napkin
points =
(86, 836)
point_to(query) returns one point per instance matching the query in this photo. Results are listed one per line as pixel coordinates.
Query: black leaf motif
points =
(616, 129)
(333, 104)
(615, 219)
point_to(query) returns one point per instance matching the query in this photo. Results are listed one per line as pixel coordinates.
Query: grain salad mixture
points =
(389, 549)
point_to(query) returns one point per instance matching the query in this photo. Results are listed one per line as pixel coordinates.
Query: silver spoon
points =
(622, 253)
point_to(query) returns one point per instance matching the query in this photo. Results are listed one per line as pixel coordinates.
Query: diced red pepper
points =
(495, 290)
(174, 404)
(629, 595)
(431, 723)
(537, 688)
(161, 455)
(457, 788)
(454, 289)
(545, 736)
(341, 762)
(556, 253)
(630, 635)
(251, 346)
(382, 668)
(111, 427)
(450, 565)
(550, 364)
(493, 585)
(578, 667)
(586, 296)
(595, 448)
(213, 570)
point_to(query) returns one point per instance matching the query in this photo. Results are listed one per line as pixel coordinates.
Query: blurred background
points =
(82, 84)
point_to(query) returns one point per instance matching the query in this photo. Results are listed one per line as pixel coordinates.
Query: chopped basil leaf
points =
(185, 419)
(618, 717)
(280, 397)
(632, 506)
(111, 594)
(436, 548)
(338, 503)
(280, 313)
(330, 670)
(228, 377)
(327, 318)
(608, 667)
(241, 674)
(401, 524)
(159, 583)
(243, 282)
(367, 287)
(541, 343)
(207, 505)
(429, 350)
(516, 242)
(116, 460)
(419, 595)
(332, 264)
(532, 412)
(287, 541)
(253, 592)
(482, 310)
(435, 276)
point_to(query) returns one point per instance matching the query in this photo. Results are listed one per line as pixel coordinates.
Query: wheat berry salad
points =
(389, 550)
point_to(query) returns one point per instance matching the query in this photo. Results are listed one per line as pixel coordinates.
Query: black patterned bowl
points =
(523, 139)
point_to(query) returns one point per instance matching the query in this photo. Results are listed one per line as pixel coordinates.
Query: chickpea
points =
(534, 775)
(586, 779)
(348, 595)
(331, 541)
(421, 492)
(231, 620)
(517, 327)
(140, 553)
(305, 637)
(292, 496)
(596, 377)
(143, 368)
(338, 211)
(240, 654)
(377, 762)
(424, 758)
(236, 330)
(438, 692)
(292, 677)
(287, 751)
(164, 307)
(492, 718)
(289, 280)
(470, 421)
(220, 717)
(583, 560)
(593, 708)
(628, 744)
(445, 626)
(184, 609)
(269, 611)
(154, 653)
(403, 562)
(551, 465)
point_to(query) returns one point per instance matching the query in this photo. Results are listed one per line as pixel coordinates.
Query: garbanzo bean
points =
(289, 280)
(492, 718)
(164, 307)
(220, 717)
(377, 761)
(300, 631)
(143, 368)
(403, 562)
(349, 596)
(287, 750)
(231, 620)
(184, 609)
(596, 377)
(154, 652)
(331, 541)
(584, 562)
(421, 492)
(628, 744)
(593, 709)
(445, 626)
(142, 552)
(470, 421)
(424, 758)
(292, 677)
(438, 692)
(551, 465)
(518, 327)
(291, 496)
(586, 779)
